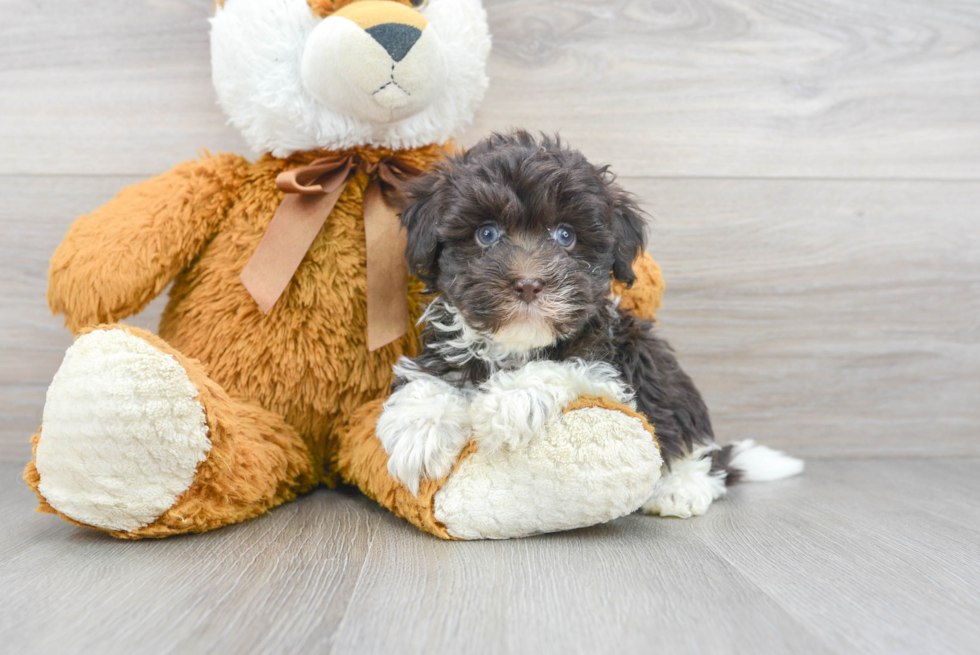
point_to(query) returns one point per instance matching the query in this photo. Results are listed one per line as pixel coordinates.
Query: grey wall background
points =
(813, 167)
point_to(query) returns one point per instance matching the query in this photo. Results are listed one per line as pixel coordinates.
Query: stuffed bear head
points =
(297, 75)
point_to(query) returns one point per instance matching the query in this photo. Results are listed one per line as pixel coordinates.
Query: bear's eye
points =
(564, 236)
(487, 235)
(418, 4)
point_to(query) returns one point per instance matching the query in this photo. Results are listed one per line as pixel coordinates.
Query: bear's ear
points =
(421, 220)
(627, 228)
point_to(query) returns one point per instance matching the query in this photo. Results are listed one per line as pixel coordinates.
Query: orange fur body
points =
(280, 390)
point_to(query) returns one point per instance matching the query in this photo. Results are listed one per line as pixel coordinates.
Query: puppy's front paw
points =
(687, 490)
(423, 428)
(508, 419)
(515, 405)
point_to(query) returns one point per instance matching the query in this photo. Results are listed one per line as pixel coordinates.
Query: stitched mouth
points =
(391, 82)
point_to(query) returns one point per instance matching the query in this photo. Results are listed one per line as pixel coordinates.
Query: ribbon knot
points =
(312, 191)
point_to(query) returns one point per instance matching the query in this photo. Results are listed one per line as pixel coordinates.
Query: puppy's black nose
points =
(528, 289)
(396, 38)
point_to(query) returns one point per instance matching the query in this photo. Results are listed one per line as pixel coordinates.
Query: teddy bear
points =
(290, 301)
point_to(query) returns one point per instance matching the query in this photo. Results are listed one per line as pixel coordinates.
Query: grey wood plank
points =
(633, 586)
(827, 318)
(259, 587)
(865, 572)
(848, 558)
(20, 408)
(107, 87)
(945, 489)
(793, 88)
(784, 88)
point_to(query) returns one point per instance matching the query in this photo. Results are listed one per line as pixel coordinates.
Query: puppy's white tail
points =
(751, 462)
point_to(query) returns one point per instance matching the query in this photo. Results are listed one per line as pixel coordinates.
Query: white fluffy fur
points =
(526, 334)
(763, 464)
(345, 68)
(257, 50)
(591, 466)
(426, 423)
(688, 488)
(469, 344)
(423, 428)
(123, 433)
(513, 406)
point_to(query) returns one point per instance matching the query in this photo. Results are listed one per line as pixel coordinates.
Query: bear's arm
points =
(644, 297)
(114, 261)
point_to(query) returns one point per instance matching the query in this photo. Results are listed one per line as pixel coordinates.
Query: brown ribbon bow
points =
(312, 191)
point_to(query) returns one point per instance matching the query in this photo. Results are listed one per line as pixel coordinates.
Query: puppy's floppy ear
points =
(421, 220)
(627, 229)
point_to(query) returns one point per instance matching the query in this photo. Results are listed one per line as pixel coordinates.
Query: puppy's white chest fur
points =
(427, 422)
(464, 344)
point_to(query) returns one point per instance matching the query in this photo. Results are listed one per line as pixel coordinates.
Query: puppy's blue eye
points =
(487, 235)
(564, 237)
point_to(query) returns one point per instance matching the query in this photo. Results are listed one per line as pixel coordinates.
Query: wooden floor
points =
(858, 556)
(813, 172)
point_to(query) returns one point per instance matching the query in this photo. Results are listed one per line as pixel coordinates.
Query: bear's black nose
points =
(396, 38)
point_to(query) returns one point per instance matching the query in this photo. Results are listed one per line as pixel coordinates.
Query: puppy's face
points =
(521, 236)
